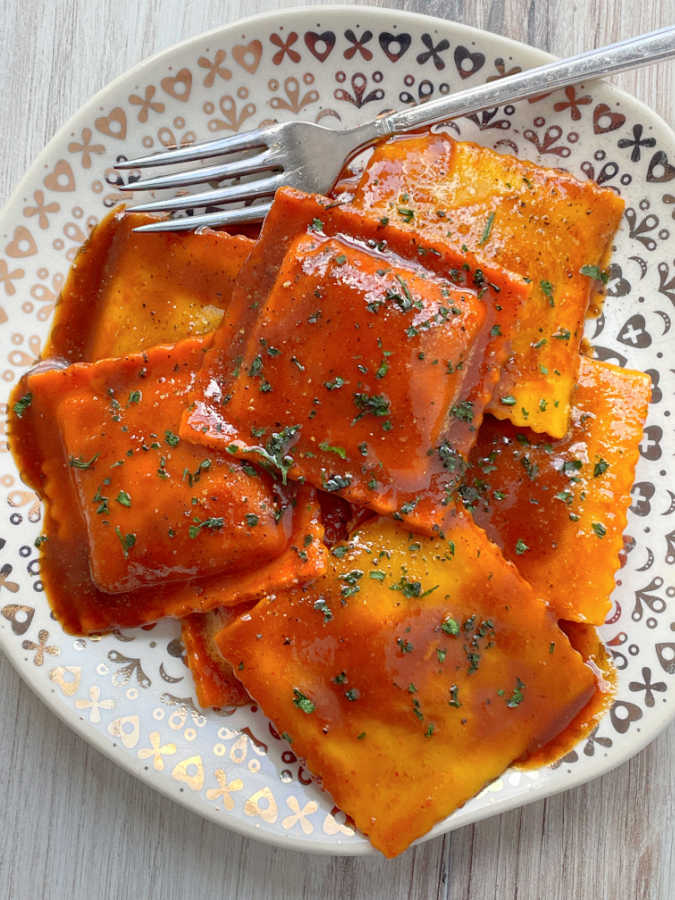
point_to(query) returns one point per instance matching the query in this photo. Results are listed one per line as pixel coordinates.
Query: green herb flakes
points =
(449, 626)
(22, 405)
(126, 540)
(302, 702)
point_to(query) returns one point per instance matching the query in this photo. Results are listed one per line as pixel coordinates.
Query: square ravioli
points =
(141, 524)
(127, 291)
(355, 361)
(215, 682)
(410, 675)
(558, 509)
(542, 223)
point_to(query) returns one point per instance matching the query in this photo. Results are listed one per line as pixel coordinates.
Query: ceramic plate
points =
(130, 693)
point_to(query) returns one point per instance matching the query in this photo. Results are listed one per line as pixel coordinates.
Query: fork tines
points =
(269, 160)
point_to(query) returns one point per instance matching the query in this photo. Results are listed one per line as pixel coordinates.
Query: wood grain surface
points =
(72, 824)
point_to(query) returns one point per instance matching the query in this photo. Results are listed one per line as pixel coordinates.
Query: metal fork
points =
(311, 157)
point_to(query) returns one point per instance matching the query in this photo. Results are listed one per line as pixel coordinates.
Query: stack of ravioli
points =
(364, 461)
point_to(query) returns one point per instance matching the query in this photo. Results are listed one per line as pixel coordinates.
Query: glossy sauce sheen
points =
(558, 508)
(127, 291)
(541, 223)
(586, 641)
(369, 356)
(411, 675)
(131, 506)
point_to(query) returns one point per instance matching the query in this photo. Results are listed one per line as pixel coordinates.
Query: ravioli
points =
(410, 675)
(141, 524)
(558, 509)
(215, 682)
(542, 223)
(355, 358)
(128, 291)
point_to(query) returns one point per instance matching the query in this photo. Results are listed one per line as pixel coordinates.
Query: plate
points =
(130, 693)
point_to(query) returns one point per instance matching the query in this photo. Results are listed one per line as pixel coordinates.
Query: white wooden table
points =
(73, 825)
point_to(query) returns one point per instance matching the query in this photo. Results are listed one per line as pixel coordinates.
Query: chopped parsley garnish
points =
(321, 606)
(517, 696)
(595, 272)
(78, 463)
(335, 482)
(22, 405)
(329, 448)
(406, 214)
(600, 467)
(599, 529)
(341, 259)
(406, 646)
(547, 290)
(406, 292)
(274, 453)
(371, 405)
(451, 459)
(171, 438)
(463, 411)
(213, 523)
(123, 498)
(135, 397)
(302, 702)
(317, 225)
(126, 540)
(376, 575)
(335, 384)
(521, 546)
(441, 654)
(382, 371)
(352, 694)
(449, 626)
(509, 400)
(564, 334)
(410, 588)
(487, 229)
(252, 520)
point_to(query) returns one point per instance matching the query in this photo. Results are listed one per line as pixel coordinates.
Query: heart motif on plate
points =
(178, 86)
(19, 617)
(320, 45)
(61, 177)
(394, 45)
(248, 55)
(68, 678)
(605, 119)
(468, 63)
(22, 243)
(660, 170)
(114, 124)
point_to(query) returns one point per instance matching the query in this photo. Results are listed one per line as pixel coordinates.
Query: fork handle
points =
(628, 54)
